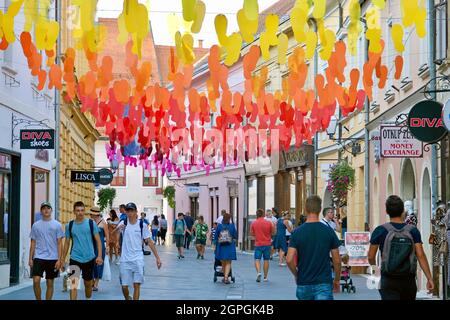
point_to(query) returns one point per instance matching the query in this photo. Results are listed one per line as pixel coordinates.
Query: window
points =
(120, 177)
(150, 179)
(441, 29)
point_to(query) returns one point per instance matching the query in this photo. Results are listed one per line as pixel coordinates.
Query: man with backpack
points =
(134, 232)
(400, 245)
(83, 234)
(179, 230)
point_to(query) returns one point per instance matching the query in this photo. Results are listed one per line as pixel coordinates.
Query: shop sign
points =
(396, 142)
(325, 170)
(41, 155)
(446, 115)
(193, 190)
(425, 122)
(103, 177)
(299, 157)
(39, 177)
(37, 139)
(357, 245)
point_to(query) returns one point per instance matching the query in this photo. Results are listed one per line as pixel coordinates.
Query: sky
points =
(161, 9)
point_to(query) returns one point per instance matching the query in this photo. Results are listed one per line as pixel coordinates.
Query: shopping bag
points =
(106, 269)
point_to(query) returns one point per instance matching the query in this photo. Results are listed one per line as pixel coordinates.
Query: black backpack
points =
(399, 254)
(141, 225)
(91, 226)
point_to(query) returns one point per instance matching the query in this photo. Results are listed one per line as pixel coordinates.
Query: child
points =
(213, 233)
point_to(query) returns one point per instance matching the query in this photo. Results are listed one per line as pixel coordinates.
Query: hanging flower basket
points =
(342, 180)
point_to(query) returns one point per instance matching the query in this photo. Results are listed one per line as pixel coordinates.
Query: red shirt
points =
(262, 229)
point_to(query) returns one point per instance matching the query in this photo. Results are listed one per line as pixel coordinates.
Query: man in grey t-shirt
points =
(45, 251)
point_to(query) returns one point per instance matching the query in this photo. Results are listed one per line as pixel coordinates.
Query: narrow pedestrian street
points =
(192, 279)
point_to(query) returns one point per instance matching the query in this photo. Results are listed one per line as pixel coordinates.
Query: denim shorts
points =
(323, 291)
(262, 251)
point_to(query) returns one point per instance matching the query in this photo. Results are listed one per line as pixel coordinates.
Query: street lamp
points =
(355, 146)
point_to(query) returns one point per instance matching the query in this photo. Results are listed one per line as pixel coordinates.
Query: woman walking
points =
(155, 228)
(201, 234)
(280, 243)
(113, 243)
(104, 235)
(225, 240)
(162, 229)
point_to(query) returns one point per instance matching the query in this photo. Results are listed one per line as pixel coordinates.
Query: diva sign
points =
(396, 142)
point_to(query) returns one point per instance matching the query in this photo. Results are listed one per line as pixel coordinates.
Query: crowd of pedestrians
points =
(310, 249)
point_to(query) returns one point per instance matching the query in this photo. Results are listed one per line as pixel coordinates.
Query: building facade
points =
(27, 177)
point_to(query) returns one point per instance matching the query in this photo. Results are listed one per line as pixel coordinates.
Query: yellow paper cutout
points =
(233, 48)
(221, 24)
(299, 20)
(189, 9)
(327, 46)
(283, 43)
(373, 34)
(354, 28)
(200, 11)
(248, 28)
(319, 9)
(379, 3)
(397, 37)
(311, 44)
(251, 9)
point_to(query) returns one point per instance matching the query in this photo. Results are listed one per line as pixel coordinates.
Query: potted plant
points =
(341, 181)
(106, 198)
(169, 194)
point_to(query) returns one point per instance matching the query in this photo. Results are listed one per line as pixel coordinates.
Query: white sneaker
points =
(258, 277)
(266, 279)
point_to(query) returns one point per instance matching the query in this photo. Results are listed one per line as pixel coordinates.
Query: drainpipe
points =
(57, 115)
(245, 224)
(434, 155)
(367, 154)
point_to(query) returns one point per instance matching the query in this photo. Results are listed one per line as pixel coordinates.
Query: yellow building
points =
(77, 136)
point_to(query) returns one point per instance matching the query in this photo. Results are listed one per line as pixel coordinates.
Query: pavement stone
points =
(192, 279)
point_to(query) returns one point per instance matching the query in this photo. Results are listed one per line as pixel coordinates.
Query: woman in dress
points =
(113, 243)
(280, 243)
(104, 235)
(225, 241)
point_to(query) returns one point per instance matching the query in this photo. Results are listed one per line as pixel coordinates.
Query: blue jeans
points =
(322, 291)
(154, 235)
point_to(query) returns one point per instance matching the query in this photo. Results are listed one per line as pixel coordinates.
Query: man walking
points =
(400, 245)
(45, 251)
(329, 219)
(270, 217)
(83, 233)
(179, 230)
(308, 256)
(262, 230)
(189, 226)
(132, 259)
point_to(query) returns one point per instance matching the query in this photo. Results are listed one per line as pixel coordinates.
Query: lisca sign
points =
(103, 176)
(37, 139)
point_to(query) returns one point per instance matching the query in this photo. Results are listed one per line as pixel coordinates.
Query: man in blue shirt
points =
(189, 226)
(83, 234)
(308, 256)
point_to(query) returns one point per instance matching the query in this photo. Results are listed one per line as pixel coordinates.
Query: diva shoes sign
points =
(37, 139)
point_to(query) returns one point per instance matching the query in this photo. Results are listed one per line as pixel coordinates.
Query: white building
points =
(133, 184)
(27, 177)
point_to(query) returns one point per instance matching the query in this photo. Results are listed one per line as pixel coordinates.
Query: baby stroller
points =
(346, 279)
(219, 273)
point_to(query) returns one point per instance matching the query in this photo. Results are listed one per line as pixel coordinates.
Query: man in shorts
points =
(179, 230)
(262, 230)
(134, 232)
(45, 251)
(83, 233)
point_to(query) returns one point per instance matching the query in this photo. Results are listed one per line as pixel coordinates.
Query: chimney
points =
(200, 43)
